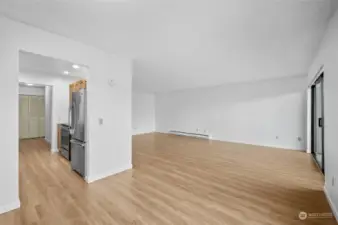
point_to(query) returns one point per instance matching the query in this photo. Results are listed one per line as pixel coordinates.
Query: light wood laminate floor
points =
(175, 180)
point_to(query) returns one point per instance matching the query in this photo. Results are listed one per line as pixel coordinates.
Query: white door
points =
(24, 116)
(41, 112)
(32, 121)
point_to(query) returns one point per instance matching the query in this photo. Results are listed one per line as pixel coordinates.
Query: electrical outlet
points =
(277, 137)
(299, 139)
(206, 131)
(198, 130)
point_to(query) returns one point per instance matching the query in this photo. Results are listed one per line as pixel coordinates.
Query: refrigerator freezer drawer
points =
(78, 156)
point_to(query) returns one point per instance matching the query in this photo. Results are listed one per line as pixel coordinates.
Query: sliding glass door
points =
(318, 122)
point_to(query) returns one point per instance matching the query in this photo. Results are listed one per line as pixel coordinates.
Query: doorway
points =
(317, 131)
(63, 107)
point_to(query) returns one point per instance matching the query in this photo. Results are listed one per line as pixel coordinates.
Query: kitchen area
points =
(61, 125)
(72, 135)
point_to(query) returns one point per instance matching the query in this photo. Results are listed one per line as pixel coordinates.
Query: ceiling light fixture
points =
(76, 66)
(29, 84)
(66, 72)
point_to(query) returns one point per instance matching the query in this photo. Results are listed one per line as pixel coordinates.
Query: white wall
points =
(109, 145)
(48, 113)
(252, 113)
(26, 90)
(328, 56)
(143, 113)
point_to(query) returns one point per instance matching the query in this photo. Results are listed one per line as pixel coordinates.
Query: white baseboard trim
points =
(213, 138)
(47, 140)
(140, 133)
(332, 205)
(94, 178)
(54, 150)
(10, 207)
(187, 134)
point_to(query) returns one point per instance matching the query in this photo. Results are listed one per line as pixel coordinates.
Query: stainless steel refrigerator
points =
(77, 123)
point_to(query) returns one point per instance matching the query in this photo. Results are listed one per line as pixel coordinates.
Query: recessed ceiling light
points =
(76, 66)
(66, 72)
(29, 84)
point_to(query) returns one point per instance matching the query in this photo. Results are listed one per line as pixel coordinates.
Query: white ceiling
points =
(31, 63)
(28, 85)
(180, 44)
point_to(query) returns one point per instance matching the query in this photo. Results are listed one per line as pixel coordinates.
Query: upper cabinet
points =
(74, 87)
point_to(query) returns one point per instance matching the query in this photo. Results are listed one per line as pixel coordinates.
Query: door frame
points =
(320, 78)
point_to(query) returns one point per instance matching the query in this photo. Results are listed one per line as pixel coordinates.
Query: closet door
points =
(31, 116)
(41, 109)
(36, 116)
(23, 116)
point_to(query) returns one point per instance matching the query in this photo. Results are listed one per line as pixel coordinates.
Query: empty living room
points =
(168, 112)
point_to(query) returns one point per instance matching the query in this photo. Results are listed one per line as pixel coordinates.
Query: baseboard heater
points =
(181, 133)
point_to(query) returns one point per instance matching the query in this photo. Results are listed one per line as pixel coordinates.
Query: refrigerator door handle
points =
(72, 127)
(77, 143)
(70, 118)
(73, 104)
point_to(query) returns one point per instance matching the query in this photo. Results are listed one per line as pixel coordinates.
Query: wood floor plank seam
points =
(174, 181)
